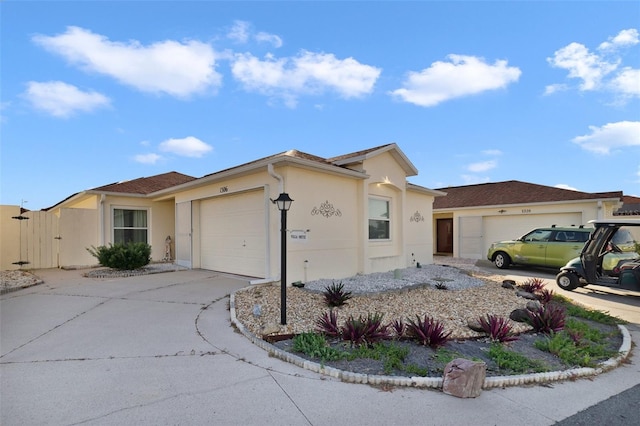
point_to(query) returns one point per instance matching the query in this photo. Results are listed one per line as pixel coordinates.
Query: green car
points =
(554, 247)
(551, 247)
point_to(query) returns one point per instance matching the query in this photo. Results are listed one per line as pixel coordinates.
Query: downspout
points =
(600, 213)
(101, 219)
(269, 278)
(276, 176)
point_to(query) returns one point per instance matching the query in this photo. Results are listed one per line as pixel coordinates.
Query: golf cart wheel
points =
(502, 260)
(567, 281)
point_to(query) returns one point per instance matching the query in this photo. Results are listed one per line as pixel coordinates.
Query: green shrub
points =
(122, 256)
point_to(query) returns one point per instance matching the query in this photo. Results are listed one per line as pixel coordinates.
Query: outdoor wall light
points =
(283, 201)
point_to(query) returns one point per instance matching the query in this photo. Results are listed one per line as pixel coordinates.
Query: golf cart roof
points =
(615, 222)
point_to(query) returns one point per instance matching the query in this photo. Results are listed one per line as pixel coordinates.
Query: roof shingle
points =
(511, 192)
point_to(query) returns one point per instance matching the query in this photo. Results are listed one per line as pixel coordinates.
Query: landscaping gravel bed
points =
(468, 296)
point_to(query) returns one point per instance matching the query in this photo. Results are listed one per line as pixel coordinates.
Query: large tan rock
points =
(464, 378)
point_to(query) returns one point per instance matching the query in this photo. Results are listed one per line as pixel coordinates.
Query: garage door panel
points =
(233, 234)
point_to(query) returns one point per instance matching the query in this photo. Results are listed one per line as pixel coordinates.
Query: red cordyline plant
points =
(364, 331)
(545, 296)
(547, 319)
(532, 285)
(498, 328)
(398, 327)
(335, 295)
(328, 324)
(427, 331)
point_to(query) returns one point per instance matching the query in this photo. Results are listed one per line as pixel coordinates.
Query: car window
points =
(571, 236)
(537, 235)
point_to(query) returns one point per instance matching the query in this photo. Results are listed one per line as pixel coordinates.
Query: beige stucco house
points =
(354, 213)
(471, 217)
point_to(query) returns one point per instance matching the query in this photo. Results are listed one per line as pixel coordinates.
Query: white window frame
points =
(132, 208)
(379, 218)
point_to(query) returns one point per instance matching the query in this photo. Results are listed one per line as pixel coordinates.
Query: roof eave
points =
(253, 167)
(491, 206)
(396, 152)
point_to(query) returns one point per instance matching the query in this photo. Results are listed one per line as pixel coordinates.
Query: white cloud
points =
(602, 69)
(627, 82)
(147, 158)
(554, 88)
(582, 64)
(482, 166)
(171, 67)
(494, 152)
(63, 100)
(461, 76)
(239, 32)
(623, 39)
(307, 73)
(273, 39)
(611, 136)
(565, 186)
(186, 147)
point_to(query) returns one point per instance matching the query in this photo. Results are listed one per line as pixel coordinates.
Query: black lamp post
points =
(284, 203)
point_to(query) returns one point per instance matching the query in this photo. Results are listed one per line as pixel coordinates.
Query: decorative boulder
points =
(475, 326)
(464, 378)
(519, 315)
(534, 305)
(526, 295)
(508, 284)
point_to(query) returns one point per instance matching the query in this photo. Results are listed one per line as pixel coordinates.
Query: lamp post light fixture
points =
(284, 204)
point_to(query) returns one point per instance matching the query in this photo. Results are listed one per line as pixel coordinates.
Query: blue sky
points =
(99, 92)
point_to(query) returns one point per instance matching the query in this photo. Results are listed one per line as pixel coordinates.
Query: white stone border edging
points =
(432, 382)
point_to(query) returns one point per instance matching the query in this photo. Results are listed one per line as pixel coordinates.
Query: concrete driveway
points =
(159, 349)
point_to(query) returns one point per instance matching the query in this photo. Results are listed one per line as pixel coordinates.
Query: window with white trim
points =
(130, 225)
(379, 219)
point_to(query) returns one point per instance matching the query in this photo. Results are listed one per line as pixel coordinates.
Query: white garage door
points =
(233, 234)
(500, 228)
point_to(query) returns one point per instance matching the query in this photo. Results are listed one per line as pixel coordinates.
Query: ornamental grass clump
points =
(498, 328)
(428, 331)
(335, 295)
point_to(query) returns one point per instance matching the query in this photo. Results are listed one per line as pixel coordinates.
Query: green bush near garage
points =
(122, 256)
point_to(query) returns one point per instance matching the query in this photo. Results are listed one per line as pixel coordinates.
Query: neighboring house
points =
(471, 217)
(630, 209)
(355, 213)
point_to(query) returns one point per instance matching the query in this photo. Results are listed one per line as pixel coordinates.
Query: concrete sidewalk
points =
(160, 349)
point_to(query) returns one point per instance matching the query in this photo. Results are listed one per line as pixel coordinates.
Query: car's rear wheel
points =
(502, 260)
(568, 281)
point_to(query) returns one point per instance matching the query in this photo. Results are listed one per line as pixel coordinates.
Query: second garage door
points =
(501, 228)
(233, 235)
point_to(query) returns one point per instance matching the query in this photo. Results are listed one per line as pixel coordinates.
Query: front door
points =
(444, 235)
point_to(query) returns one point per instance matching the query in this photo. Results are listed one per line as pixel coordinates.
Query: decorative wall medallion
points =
(417, 217)
(326, 209)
